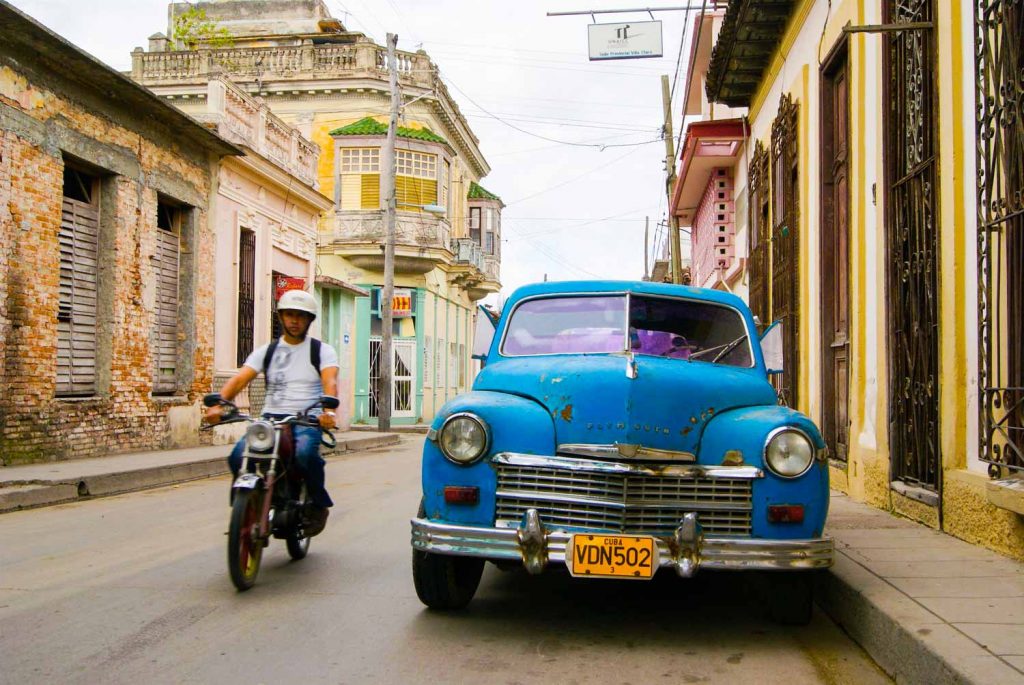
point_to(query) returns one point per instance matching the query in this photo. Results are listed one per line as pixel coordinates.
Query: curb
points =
(907, 641)
(15, 495)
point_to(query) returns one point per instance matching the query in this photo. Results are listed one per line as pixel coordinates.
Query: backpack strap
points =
(269, 355)
(314, 353)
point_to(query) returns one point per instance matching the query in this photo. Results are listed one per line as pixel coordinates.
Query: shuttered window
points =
(360, 178)
(165, 271)
(415, 180)
(76, 316)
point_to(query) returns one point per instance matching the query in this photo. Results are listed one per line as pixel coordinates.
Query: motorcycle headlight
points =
(788, 452)
(463, 438)
(260, 437)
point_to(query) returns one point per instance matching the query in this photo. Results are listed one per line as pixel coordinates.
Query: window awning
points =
(708, 145)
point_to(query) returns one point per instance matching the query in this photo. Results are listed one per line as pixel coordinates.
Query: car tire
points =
(791, 598)
(443, 581)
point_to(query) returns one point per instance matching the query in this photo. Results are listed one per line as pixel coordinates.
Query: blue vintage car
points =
(619, 428)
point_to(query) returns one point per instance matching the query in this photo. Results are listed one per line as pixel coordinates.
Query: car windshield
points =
(657, 326)
(688, 329)
(567, 325)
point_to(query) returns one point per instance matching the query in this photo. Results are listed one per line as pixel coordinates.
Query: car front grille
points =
(622, 503)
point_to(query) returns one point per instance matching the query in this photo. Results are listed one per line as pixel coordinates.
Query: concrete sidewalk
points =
(37, 485)
(927, 607)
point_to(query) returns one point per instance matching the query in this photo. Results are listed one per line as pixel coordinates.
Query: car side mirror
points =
(771, 348)
(483, 334)
(212, 399)
(329, 402)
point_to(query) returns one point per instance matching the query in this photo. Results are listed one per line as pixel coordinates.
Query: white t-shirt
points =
(292, 381)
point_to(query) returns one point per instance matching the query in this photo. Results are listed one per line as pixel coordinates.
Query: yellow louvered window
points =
(360, 178)
(415, 180)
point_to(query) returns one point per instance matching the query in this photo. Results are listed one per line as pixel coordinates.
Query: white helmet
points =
(298, 300)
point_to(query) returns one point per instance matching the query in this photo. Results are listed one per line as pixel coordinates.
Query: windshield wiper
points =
(725, 349)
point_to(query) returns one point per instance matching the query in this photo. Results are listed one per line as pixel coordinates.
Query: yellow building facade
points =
(879, 206)
(332, 86)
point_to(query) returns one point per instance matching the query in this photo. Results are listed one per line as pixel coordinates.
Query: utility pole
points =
(647, 228)
(670, 182)
(387, 355)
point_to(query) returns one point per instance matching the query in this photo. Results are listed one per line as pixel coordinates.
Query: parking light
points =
(461, 494)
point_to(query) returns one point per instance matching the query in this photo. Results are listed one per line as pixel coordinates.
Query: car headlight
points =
(463, 438)
(260, 436)
(788, 452)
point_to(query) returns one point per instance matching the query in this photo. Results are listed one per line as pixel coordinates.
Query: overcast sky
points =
(572, 211)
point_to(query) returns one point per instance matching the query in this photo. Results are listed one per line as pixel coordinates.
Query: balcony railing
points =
(246, 121)
(285, 63)
(467, 251)
(411, 229)
(492, 268)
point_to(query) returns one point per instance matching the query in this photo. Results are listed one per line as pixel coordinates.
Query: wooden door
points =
(835, 254)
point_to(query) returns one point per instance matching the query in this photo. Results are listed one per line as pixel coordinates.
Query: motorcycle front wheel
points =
(245, 550)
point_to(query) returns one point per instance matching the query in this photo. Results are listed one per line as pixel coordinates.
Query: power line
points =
(537, 135)
(604, 165)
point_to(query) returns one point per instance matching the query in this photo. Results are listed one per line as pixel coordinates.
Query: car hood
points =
(593, 401)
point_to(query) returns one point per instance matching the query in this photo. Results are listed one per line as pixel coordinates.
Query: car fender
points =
(515, 424)
(739, 435)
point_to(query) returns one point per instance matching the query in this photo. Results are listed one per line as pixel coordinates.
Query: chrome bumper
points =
(686, 552)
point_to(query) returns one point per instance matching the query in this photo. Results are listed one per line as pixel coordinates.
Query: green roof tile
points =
(478, 192)
(371, 127)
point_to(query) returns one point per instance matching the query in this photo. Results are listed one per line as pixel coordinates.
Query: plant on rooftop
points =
(193, 28)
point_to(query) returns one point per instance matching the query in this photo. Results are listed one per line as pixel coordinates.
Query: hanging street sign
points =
(635, 40)
(401, 303)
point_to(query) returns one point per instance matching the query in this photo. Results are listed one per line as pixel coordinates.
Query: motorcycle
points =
(269, 497)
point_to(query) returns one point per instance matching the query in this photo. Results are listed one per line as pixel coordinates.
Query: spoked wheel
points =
(245, 550)
(297, 541)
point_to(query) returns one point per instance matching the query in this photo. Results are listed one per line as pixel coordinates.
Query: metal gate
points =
(403, 378)
(912, 247)
(759, 232)
(999, 26)
(246, 294)
(786, 243)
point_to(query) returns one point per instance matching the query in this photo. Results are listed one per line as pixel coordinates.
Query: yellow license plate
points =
(611, 556)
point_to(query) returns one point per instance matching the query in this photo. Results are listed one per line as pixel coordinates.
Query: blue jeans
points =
(307, 456)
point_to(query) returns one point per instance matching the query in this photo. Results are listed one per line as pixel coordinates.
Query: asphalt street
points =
(134, 589)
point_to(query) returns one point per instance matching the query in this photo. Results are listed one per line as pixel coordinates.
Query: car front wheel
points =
(443, 581)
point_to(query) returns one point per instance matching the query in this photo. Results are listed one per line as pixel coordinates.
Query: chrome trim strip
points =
(589, 450)
(624, 450)
(559, 498)
(718, 553)
(589, 465)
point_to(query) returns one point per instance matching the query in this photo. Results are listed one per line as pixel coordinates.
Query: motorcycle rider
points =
(299, 372)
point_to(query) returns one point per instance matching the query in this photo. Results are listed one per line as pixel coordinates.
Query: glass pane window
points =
(360, 160)
(417, 164)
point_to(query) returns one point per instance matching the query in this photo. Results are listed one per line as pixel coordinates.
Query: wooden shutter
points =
(370, 194)
(76, 317)
(165, 350)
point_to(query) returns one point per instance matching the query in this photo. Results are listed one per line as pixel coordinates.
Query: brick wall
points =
(714, 230)
(38, 131)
